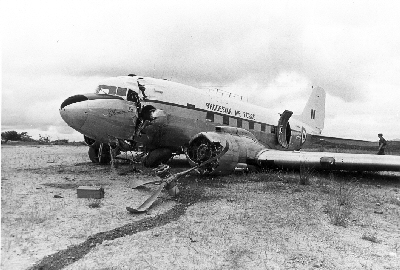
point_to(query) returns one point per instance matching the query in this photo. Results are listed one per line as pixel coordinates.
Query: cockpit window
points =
(111, 90)
(121, 91)
(105, 89)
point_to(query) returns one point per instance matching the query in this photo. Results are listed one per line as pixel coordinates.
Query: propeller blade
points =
(136, 184)
(146, 205)
(178, 175)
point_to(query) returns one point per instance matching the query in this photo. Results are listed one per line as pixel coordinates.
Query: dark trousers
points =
(381, 151)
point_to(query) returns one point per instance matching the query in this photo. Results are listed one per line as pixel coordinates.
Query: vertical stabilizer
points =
(314, 112)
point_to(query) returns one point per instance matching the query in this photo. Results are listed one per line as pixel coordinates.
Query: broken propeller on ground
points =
(170, 180)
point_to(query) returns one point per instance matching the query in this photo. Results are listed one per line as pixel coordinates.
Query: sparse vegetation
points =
(394, 201)
(94, 203)
(45, 139)
(341, 201)
(15, 136)
(370, 237)
(37, 214)
(23, 137)
(236, 255)
(306, 172)
(252, 221)
(60, 142)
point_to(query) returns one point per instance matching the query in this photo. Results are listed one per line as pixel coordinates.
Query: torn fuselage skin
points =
(114, 117)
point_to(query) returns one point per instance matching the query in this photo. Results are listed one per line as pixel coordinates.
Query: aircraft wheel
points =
(99, 153)
(157, 157)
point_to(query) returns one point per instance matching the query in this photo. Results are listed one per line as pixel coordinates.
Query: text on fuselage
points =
(226, 110)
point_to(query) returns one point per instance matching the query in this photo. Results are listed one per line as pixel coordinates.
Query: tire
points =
(99, 153)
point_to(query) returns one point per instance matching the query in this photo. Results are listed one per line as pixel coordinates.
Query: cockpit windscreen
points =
(111, 90)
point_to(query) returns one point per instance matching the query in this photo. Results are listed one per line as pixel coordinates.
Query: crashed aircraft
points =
(165, 118)
(218, 131)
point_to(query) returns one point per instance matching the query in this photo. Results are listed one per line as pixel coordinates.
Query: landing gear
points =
(99, 153)
(114, 151)
(157, 157)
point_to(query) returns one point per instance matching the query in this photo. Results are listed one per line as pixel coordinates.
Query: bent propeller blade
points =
(178, 175)
(138, 184)
(149, 202)
(146, 205)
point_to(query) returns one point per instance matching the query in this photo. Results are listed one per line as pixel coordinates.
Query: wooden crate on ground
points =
(94, 192)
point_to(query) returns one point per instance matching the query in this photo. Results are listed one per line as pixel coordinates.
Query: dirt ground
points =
(255, 221)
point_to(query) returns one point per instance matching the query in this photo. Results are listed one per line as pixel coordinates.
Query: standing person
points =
(382, 144)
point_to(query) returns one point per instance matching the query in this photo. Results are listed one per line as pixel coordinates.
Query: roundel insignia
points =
(303, 135)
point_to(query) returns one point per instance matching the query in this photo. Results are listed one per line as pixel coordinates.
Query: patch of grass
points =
(339, 215)
(341, 202)
(236, 255)
(305, 174)
(95, 203)
(371, 237)
(394, 201)
(37, 214)
(323, 183)
(262, 176)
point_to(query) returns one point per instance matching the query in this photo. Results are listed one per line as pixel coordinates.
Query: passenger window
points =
(239, 123)
(210, 116)
(251, 125)
(225, 119)
(121, 91)
(263, 127)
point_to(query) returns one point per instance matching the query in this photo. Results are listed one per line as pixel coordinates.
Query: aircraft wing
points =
(244, 151)
(328, 160)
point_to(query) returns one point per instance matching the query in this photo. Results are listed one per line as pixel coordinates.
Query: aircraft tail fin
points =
(314, 112)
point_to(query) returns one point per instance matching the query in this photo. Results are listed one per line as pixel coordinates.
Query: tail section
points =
(313, 114)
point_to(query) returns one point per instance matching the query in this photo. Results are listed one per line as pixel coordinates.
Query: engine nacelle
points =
(243, 149)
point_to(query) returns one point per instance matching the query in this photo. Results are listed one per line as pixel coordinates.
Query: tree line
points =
(25, 137)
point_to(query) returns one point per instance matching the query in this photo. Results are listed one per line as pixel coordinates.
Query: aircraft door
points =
(284, 131)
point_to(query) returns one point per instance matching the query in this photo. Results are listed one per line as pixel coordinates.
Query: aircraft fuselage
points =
(122, 104)
(161, 117)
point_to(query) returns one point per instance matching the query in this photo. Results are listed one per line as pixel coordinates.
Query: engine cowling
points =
(242, 152)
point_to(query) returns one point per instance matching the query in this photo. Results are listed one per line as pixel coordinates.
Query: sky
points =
(271, 52)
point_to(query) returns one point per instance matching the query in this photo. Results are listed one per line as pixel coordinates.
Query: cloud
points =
(210, 42)
(269, 51)
(33, 101)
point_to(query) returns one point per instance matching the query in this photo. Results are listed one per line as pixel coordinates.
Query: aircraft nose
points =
(74, 111)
